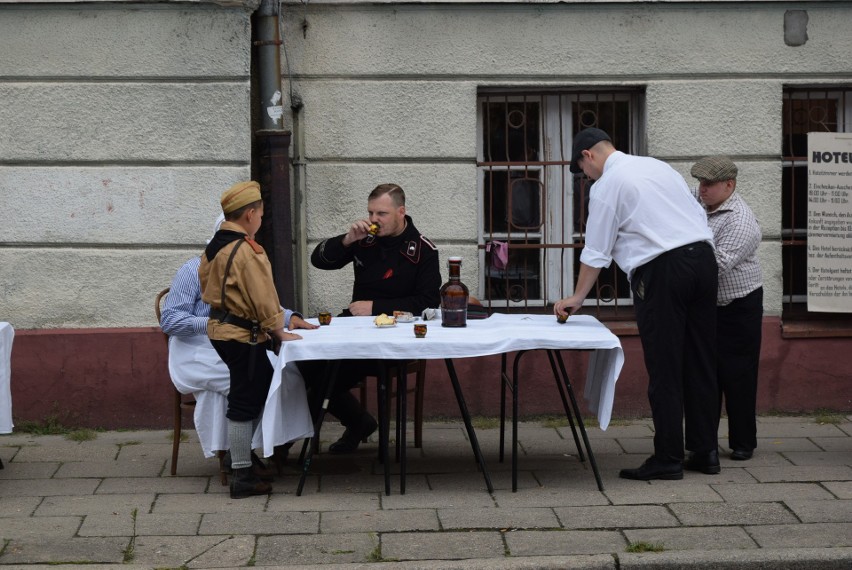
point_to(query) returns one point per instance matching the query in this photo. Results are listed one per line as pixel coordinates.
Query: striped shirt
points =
(184, 313)
(737, 236)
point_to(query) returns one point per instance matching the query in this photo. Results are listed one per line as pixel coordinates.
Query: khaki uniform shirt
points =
(249, 289)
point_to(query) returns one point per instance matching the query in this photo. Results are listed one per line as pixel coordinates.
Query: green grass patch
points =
(375, 555)
(644, 547)
(827, 417)
(555, 422)
(485, 422)
(84, 434)
(49, 426)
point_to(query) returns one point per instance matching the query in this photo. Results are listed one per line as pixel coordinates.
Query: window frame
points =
(562, 240)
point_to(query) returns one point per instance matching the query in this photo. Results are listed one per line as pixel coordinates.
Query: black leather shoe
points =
(741, 454)
(653, 468)
(707, 462)
(352, 436)
(263, 472)
(246, 484)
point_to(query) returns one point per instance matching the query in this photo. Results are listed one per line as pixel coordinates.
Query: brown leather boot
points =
(246, 484)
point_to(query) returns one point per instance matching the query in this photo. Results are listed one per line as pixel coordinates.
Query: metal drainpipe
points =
(273, 144)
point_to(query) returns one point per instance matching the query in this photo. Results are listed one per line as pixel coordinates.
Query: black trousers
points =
(675, 300)
(738, 330)
(251, 376)
(342, 404)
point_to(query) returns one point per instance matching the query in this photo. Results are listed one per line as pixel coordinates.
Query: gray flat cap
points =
(714, 169)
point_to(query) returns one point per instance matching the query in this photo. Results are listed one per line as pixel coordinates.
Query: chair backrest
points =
(158, 306)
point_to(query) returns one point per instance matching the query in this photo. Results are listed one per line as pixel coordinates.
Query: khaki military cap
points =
(239, 195)
(714, 169)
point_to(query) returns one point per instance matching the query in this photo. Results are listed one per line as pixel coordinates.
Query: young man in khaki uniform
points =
(236, 281)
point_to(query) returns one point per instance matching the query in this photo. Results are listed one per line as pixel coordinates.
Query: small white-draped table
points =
(359, 338)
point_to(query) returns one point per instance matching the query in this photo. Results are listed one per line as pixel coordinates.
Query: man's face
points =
(712, 194)
(390, 218)
(588, 164)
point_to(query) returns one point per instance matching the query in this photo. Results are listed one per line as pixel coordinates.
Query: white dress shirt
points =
(638, 209)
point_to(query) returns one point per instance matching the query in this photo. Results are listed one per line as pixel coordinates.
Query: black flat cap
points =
(585, 139)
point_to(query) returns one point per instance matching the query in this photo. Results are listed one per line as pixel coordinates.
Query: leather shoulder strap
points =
(228, 270)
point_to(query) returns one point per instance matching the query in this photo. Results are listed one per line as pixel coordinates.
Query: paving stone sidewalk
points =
(111, 503)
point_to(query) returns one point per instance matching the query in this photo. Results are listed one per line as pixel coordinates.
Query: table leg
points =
(329, 378)
(580, 422)
(474, 443)
(402, 403)
(568, 413)
(515, 407)
(383, 383)
(504, 379)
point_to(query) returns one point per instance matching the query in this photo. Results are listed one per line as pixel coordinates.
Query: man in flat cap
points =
(739, 303)
(236, 282)
(643, 216)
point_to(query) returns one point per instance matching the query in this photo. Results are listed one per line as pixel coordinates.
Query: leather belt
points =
(225, 317)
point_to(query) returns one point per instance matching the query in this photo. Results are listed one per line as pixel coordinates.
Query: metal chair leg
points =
(177, 429)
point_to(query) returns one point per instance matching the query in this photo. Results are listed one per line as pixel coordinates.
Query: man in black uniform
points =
(396, 269)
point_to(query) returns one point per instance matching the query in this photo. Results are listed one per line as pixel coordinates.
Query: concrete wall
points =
(121, 124)
(389, 93)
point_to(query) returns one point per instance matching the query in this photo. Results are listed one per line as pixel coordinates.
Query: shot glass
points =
(561, 319)
(324, 318)
(420, 330)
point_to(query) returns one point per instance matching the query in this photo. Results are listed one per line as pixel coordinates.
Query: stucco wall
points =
(121, 126)
(122, 122)
(389, 94)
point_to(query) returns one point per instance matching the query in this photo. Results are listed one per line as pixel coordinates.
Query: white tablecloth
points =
(195, 368)
(7, 335)
(358, 337)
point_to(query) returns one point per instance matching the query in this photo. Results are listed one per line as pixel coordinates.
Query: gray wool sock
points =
(240, 435)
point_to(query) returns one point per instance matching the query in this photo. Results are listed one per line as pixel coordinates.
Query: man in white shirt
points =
(739, 305)
(643, 216)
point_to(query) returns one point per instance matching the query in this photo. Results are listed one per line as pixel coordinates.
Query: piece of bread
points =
(384, 320)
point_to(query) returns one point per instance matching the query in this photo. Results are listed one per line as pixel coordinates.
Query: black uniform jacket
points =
(398, 273)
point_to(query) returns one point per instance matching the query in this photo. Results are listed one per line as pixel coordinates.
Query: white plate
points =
(406, 320)
(386, 326)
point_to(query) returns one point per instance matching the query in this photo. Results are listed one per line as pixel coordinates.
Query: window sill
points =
(816, 328)
(622, 328)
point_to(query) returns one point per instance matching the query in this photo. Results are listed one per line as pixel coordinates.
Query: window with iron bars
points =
(805, 110)
(530, 200)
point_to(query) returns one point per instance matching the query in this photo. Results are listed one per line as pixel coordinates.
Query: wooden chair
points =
(181, 401)
(417, 367)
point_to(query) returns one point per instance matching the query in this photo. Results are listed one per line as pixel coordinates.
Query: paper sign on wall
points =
(830, 222)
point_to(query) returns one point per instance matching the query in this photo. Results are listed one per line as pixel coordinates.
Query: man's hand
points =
(361, 308)
(297, 322)
(568, 305)
(357, 231)
(283, 336)
(279, 336)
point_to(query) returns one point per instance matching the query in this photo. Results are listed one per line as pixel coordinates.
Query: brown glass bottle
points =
(454, 295)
